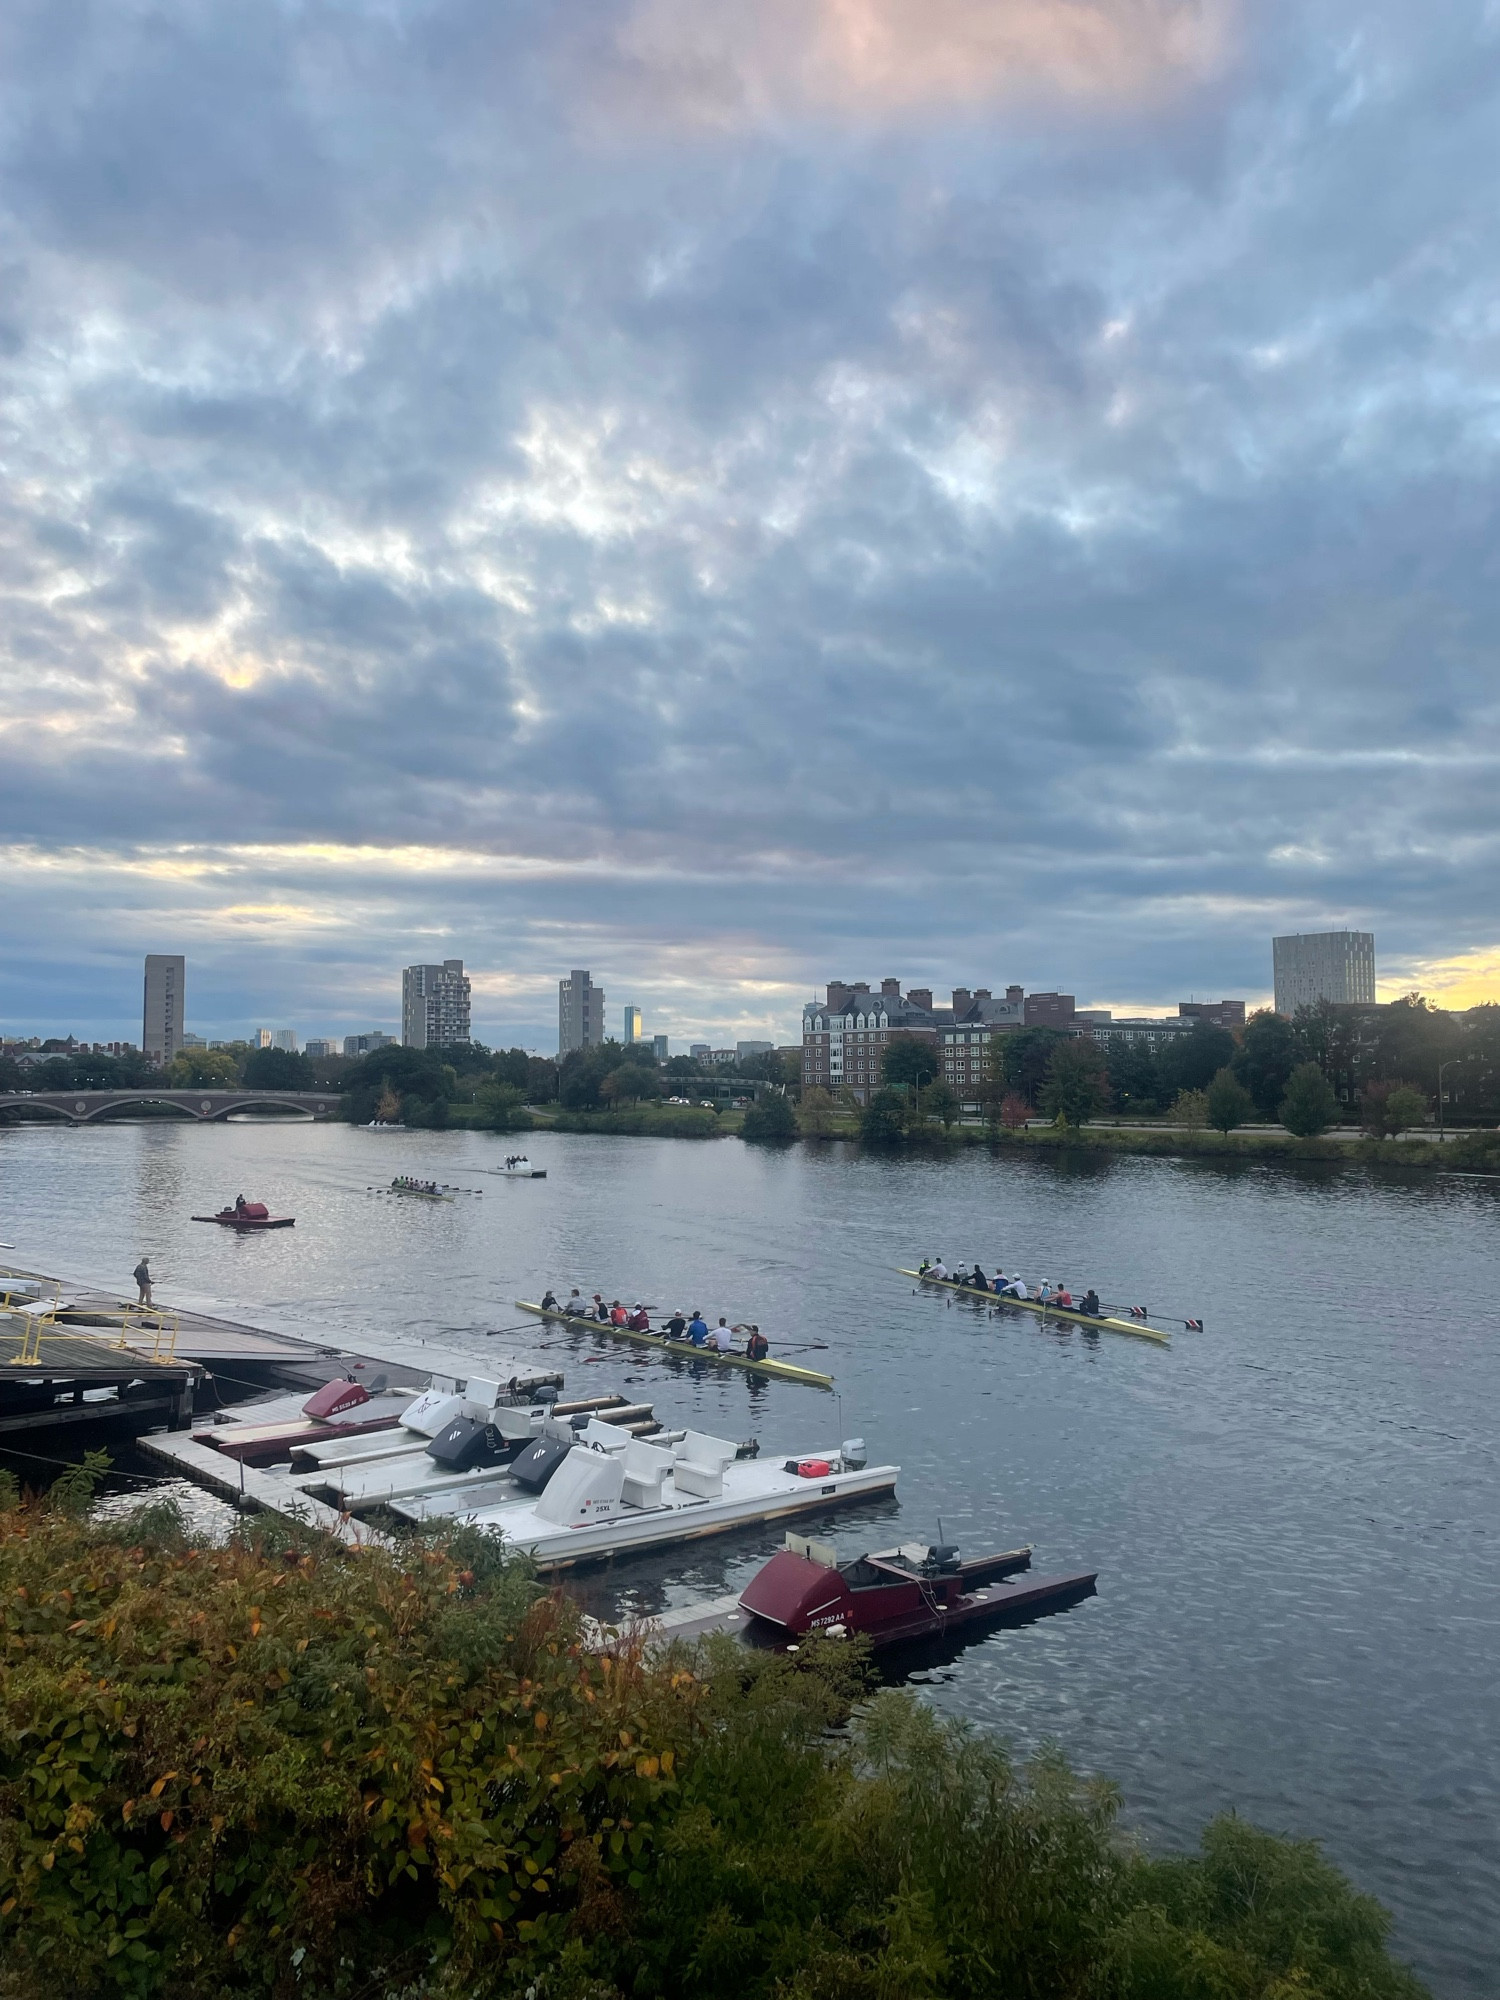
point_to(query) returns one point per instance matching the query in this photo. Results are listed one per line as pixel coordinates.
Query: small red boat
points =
(902, 1594)
(248, 1215)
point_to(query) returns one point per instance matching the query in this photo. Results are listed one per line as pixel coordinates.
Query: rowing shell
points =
(1133, 1326)
(786, 1371)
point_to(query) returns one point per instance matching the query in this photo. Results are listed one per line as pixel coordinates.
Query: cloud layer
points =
(972, 493)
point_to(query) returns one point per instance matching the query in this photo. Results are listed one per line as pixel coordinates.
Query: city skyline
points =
(1011, 504)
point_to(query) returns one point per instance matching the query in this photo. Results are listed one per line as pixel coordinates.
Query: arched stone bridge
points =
(81, 1106)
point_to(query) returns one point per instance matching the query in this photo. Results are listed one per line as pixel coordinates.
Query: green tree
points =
(503, 1106)
(1076, 1088)
(941, 1102)
(770, 1120)
(394, 1076)
(277, 1069)
(884, 1119)
(1386, 1110)
(1192, 1061)
(1190, 1108)
(628, 1084)
(1265, 1059)
(909, 1059)
(1019, 1059)
(203, 1069)
(1309, 1106)
(1134, 1074)
(1227, 1101)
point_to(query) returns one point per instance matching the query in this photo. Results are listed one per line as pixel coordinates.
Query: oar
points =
(1174, 1319)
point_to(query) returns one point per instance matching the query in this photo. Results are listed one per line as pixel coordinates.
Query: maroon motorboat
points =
(265, 1434)
(248, 1215)
(898, 1595)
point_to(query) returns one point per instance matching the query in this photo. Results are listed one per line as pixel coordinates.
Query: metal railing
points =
(151, 1330)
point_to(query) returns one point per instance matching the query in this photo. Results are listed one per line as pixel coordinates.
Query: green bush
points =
(769, 1121)
(1227, 1102)
(275, 1769)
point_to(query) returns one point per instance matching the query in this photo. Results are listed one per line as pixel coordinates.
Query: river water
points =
(1295, 1514)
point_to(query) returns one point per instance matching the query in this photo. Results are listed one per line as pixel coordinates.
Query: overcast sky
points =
(968, 490)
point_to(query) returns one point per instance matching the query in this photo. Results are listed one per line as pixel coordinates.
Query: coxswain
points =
(1091, 1304)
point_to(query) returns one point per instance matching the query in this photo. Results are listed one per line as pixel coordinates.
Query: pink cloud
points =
(738, 62)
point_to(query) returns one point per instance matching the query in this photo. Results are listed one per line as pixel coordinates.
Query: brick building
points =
(845, 1036)
(977, 1018)
(1049, 1010)
(1217, 1013)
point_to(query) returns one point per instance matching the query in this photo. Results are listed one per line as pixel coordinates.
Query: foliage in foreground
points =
(263, 1771)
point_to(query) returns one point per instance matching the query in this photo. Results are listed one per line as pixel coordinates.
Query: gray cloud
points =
(1009, 535)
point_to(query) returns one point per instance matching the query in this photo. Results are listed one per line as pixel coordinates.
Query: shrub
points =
(1191, 1109)
(1386, 1110)
(1014, 1111)
(769, 1121)
(815, 1114)
(883, 1121)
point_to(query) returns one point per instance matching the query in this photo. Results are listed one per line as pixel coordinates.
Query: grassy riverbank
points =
(279, 1768)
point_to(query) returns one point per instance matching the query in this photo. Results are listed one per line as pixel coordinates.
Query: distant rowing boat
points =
(785, 1371)
(1132, 1326)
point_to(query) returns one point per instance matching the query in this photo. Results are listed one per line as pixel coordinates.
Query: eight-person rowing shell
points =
(721, 1339)
(1013, 1287)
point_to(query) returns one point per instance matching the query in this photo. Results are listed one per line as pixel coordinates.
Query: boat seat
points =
(700, 1463)
(608, 1437)
(585, 1488)
(646, 1469)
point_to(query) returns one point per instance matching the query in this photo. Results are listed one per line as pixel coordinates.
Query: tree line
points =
(1377, 1066)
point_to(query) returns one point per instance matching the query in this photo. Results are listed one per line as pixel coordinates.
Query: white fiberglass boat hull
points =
(754, 1490)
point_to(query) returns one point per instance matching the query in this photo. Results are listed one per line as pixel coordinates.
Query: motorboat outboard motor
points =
(465, 1443)
(944, 1558)
(852, 1452)
(539, 1461)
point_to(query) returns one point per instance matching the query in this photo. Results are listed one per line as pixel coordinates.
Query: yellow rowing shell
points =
(1132, 1326)
(785, 1371)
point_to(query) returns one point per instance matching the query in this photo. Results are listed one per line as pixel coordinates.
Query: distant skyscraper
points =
(285, 1038)
(166, 985)
(365, 1045)
(318, 1045)
(634, 1023)
(263, 1038)
(659, 1047)
(1324, 965)
(580, 1013)
(434, 1005)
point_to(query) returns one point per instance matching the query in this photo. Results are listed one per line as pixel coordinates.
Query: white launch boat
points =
(608, 1497)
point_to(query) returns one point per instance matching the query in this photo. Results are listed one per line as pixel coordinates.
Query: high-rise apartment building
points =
(1324, 965)
(660, 1048)
(285, 1038)
(166, 985)
(434, 1005)
(634, 1026)
(580, 1013)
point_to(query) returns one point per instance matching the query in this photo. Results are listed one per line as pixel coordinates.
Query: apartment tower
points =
(161, 1026)
(1324, 965)
(580, 1013)
(434, 1005)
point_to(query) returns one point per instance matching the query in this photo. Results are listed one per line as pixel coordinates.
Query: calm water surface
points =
(1295, 1514)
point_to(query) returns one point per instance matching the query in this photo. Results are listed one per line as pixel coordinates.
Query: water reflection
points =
(1295, 1515)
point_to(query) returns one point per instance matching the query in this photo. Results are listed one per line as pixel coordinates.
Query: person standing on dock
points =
(142, 1276)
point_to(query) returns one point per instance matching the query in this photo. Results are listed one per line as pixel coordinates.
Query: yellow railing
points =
(30, 1352)
(146, 1327)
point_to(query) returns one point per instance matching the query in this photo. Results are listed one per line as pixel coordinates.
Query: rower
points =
(639, 1323)
(938, 1270)
(721, 1339)
(924, 1267)
(1064, 1298)
(697, 1331)
(549, 1301)
(757, 1347)
(1091, 1304)
(576, 1303)
(676, 1326)
(978, 1280)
